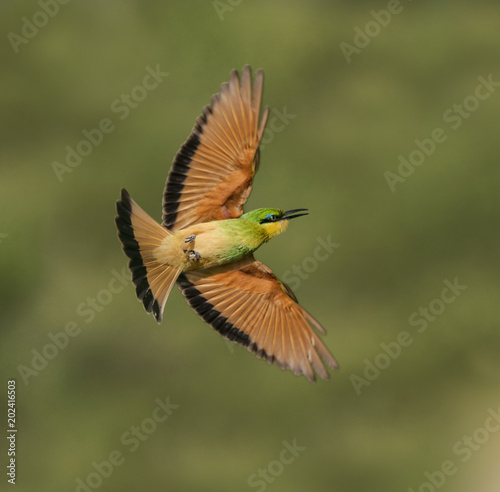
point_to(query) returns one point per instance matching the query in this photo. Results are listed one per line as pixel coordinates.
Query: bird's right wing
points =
(250, 306)
(212, 173)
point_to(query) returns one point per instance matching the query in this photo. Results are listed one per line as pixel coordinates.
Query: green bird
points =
(205, 243)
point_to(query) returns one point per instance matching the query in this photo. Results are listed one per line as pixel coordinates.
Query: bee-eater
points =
(205, 243)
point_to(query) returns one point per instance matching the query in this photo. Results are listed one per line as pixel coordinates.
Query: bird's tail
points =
(141, 236)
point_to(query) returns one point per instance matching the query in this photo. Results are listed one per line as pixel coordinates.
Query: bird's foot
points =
(190, 238)
(193, 255)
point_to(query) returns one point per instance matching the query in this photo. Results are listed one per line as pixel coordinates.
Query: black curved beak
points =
(292, 214)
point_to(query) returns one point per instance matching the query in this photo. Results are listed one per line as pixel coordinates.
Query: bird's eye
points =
(271, 217)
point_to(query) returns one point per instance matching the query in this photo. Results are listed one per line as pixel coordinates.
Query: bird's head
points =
(273, 221)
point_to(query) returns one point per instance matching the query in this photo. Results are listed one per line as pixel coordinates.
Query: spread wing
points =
(250, 306)
(212, 173)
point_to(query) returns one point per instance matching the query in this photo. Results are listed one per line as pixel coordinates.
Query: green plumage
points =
(242, 236)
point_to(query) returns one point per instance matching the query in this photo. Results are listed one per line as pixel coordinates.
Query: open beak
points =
(292, 214)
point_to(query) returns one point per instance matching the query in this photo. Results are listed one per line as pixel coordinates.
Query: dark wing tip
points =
(178, 173)
(210, 314)
(216, 320)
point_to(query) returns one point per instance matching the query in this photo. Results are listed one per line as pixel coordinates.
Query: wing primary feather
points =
(263, 122)
(238, 116)
(246, 103)
(276, 342)
(304, 359)
(268, 334)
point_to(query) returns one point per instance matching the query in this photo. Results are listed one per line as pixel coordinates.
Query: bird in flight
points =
(205, 243)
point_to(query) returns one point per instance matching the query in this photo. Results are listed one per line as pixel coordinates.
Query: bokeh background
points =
(349, 121)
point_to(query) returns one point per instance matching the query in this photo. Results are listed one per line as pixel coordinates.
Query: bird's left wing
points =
(212, 173)
(251, 306)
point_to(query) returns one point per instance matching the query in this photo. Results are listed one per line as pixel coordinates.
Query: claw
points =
(190, 238)
(194, 255)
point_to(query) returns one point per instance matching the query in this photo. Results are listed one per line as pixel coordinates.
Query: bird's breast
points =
(219, 243)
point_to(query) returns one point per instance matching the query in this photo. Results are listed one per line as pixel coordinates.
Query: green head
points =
(272, 220)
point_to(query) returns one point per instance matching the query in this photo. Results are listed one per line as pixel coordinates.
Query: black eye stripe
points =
(269, 218)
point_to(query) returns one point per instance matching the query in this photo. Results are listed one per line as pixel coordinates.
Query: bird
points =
(205, 243)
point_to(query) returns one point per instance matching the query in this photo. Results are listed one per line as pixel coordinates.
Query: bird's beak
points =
(292, 214)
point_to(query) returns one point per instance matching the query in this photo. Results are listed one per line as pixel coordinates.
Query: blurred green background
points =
(349, 122)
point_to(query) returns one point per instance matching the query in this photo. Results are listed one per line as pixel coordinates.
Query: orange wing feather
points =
(212, 173)
(251, 306)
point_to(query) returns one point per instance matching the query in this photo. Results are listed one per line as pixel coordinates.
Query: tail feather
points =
(140, 235)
